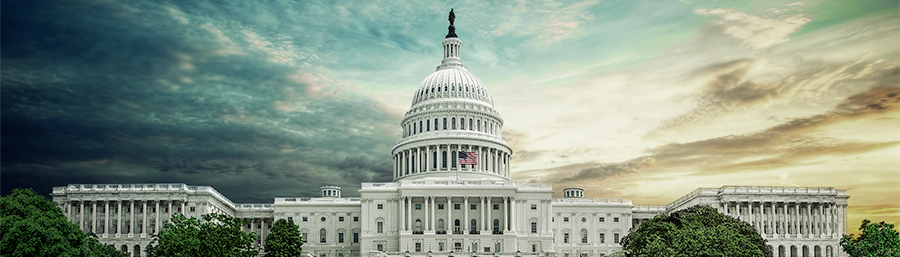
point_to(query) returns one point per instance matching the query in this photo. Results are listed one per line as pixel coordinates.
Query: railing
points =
(497, 232)
(418, 232)
(474, 232)
(441, 232)
(457, 232)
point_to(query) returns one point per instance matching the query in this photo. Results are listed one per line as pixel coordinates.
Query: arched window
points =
(414, 128)
(428, 126)
(584, 235)
(420, 126)
(453, 159)
(444, 160)
(413, 164)
(453, 88)
(467, 89)
(440, 225)
(445, 88)
(456, 226)
(435, 124)
(418, 225)
(445, 123)
(453, 123)
(478, 123)
(474, 225)
(470, 124)
(434, 162)
(137, 249)
(462, 123)
(496, 225)
(322, 235)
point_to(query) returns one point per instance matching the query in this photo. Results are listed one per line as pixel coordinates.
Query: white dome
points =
(452, 82)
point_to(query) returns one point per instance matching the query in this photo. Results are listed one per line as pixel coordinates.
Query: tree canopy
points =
(34, 226)
(284, 239)
(214, 235)
(877, 239)
(696, 231)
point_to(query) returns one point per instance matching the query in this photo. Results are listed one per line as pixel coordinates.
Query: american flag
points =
(468, 158)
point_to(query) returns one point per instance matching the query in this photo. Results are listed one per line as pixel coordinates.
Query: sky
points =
(644, 100)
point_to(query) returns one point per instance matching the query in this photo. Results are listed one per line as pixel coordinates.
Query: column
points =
(81, 216)
(488, 210)
(483, 209)
(465, 223)
(94, 218)
(131, 210)
(449, 215)
(106, 220)
(434, 214)
(69, 212)
(119, 218)
(183, 207)
(409, 207)
(425, 219)
(774, 221)
(797, 218)
(512, 214)
(156, 230)
(505, 214)
(169, 213)
(144, 215)
(403, 214)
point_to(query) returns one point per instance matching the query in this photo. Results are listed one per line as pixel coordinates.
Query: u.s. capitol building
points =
(444, 203)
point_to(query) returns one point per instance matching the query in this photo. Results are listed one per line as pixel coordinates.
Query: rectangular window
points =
(440, 247)
(304, 219)
(602, 238)
(616, 219)
(534, 248)
(380, 227)
(440, 206)
(456, 206)
(304, 236)
(290, 218)
(497, 247)
(534, 206)
(340, 237)
(380, 247)
(602, 219)
(457, 247)
(496, 206)
(487, 249)
(534, 227)
(380, 206)
(418, 247)
(356, 237)
(418, 206)
(193, 209)
(473, 206)
(340, 218)
(566, 238)
(616, 238)
(565, 219)
(356, 219)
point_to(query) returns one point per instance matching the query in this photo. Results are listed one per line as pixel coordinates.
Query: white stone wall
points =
(592, 225)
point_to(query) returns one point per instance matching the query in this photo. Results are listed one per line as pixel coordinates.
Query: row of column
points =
(424, 125)
(483, 223)
(261, 227)
(119, 207)
(433, 158)
(791, 218)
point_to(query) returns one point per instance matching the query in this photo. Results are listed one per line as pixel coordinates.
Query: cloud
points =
(584, 172)
(549, 21)
(784, 145)
(754, 31)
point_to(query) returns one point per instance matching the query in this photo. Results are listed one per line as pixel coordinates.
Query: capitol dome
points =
(451, 128)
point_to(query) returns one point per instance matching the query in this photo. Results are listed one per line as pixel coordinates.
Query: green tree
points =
(214, 235)
(877, 239)
(284, 240)
(696, 231)
(34, 226)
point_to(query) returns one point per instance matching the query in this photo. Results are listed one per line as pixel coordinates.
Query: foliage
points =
(877, 239)
(34, 226)
(284, 240)
(697, 231)
(215, 235)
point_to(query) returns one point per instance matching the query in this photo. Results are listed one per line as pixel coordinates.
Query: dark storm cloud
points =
(145, 92)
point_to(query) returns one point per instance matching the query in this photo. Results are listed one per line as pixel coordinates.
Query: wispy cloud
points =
(754, 31)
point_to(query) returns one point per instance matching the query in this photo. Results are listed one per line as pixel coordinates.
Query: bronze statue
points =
(452, 16)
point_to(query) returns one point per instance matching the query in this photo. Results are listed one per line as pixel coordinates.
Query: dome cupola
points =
(451, 128)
